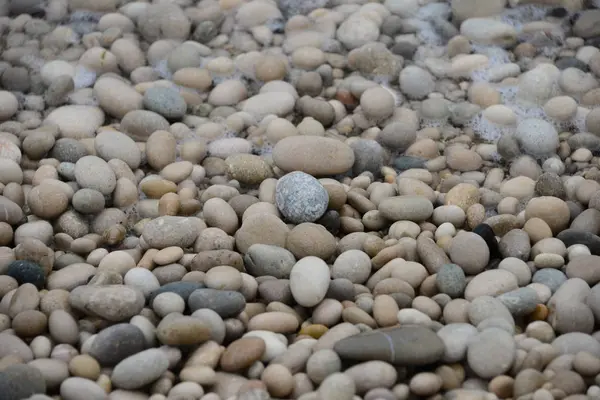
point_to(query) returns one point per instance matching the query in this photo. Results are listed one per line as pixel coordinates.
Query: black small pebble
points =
(487, 233)
(25, 271)
(558, 12)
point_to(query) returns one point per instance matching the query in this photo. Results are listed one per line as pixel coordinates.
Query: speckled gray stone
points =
(68, 150)
(550, 277)
(521, 301)
(300, 197)
(165, 101)
(450, 279)
(368, 156)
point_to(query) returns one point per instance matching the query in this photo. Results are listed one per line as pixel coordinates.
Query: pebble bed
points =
(299, 199)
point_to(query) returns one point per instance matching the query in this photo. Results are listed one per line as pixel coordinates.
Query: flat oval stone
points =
(182, 330)
(406, 345)
(140, 369)
(117, 342)
(226, 303)
(112, 302)
(406, 208)
(315, 155)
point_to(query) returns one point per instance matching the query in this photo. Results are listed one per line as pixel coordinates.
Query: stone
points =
(300, 197)
(112, 302)
(309, 280)
(183, 289)
(117, 342)
(491, 353)
(140, 369)
(226, 303)
(263, 259)
(451, 280)
(314, 155)
(520, 301)
(21, 381)
(27, 272)
(572, 236)
(407, 345)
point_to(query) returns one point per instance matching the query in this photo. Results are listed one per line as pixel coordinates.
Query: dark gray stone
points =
(116, 343)
(340, 289)
(21, 381)
(571, 236)
(300, 197)
(406, 345)
(226, 303)
(68, 150)
(368, 156)
(25, 271)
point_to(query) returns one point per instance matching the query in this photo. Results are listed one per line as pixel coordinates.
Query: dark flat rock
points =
(406, 345)
(572, 236)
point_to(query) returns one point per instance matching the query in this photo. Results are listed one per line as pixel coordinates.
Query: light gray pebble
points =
(520, 301)
(300, 197)
(165, 101)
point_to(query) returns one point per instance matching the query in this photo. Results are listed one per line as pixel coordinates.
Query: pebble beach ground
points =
(299, 199)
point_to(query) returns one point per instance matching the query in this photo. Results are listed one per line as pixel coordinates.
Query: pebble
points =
(140, 369)
(300, 197)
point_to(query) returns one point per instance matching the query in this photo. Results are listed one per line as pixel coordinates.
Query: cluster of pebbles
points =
(299, 199)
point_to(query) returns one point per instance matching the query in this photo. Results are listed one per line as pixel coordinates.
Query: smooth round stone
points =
(485, 307)
(574, 342)
(267, 260)
(142, 279)
(584, 267)
(491, 283)
(309, 281)
(74, 388)
(140, 369)
(242, 353)
(165, 101)
(354, 265)
(24, 271)
(491, 352)
(451, 280)
(117, 342)
(300, 197)
(456, 338)
(76, 121)
(114, 144)
(368, 156)
(226, 303)
(470, 251)
(521, 301)
(21, 381)
(416, 82)
(552, 278)
(314, 155)
(537, 137)
(94, 173)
